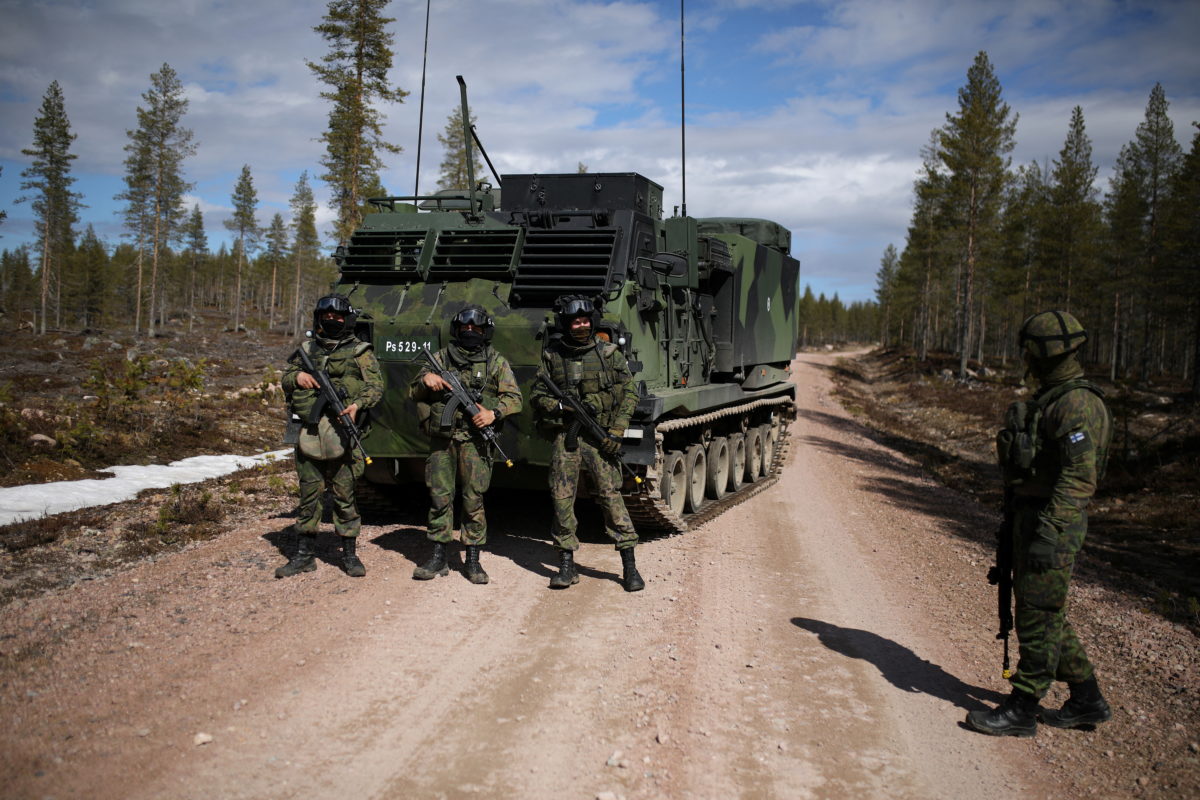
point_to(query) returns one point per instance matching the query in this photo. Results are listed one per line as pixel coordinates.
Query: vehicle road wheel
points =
(768, 448)
(697, 471)
(754, 454)
(737, 461)
(718, 467)
(674, 481)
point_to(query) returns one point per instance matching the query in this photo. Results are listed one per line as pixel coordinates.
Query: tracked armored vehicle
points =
(704, 309)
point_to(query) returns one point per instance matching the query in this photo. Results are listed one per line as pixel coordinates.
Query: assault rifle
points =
(462, 396)
(328, 395)
(582, 417)
(1001, 576)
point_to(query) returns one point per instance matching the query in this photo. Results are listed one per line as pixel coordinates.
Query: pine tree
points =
(355, 70)
(454, 164)
(54, 204)
(154, 176)
(276, 255)
(306, 245)
(973, 146)
(245, 227)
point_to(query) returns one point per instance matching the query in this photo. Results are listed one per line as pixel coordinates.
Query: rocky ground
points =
(126, 597)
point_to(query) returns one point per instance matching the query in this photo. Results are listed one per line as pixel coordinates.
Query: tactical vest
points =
(341, 366)
(479, 377)
(1018, 442)
(590, 376)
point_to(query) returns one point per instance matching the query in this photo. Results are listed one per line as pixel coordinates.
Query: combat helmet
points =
(569, 306)
(473, 315)
(338, 304)
(1050, 334)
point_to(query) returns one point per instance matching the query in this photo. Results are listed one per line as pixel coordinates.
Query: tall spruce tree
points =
(454, 163)
(154, 177)
(1157, 156)
(306, 245)
(355, 70)
(91, 274)
(276, 255)
(195, 240)
(1075, 213)
(55, 206)
(973, 146)
(1124, 209)
(244, 226)
(1181, 229)
(885, 288)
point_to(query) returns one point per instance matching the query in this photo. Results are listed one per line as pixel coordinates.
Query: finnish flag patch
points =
(1077, 443)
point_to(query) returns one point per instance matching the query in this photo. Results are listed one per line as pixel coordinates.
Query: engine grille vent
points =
(473, 253)
(557, 261)
(384, 251)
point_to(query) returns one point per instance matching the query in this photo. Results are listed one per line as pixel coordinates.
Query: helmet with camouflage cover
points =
(1050, 334)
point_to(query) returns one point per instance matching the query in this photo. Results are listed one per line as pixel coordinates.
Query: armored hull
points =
(704, 309)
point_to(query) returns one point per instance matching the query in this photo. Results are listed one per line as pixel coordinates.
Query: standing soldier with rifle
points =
(330, 380)
(462, 433)
(1053, 451)
(596, 374)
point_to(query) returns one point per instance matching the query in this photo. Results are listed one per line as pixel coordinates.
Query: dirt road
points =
(824, 639)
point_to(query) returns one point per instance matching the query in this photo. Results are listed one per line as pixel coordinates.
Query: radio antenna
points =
(682, 119)
(421, 115)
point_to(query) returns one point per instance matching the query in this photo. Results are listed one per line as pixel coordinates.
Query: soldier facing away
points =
(324, 457)
(460, 454)
(1059, 450)
(597, 373)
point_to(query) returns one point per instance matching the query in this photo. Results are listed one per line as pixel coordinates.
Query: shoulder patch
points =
(1076, 443)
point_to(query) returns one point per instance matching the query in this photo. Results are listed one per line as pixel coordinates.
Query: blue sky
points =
(812, 114)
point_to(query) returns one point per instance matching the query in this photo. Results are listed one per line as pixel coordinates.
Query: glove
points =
(611, 446)
(1041, 555)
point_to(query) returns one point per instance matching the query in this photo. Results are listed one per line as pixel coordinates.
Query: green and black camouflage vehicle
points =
(704, 310)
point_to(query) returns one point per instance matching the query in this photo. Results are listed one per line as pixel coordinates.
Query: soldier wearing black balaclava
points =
(597, 373)
(324, 459)
(459, 457)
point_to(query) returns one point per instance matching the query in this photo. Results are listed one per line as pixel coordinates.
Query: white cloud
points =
(809, 113)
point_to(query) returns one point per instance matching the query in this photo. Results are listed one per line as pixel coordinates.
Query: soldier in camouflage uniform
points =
(1059, 456)
(324, 457)
(596, 372)
(460, 454)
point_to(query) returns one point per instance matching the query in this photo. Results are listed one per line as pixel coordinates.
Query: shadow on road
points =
(899, 665)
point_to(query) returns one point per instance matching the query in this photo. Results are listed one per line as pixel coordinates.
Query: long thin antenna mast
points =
(421, 115)
(682, 118)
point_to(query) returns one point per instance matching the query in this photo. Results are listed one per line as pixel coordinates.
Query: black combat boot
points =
(436, 565)
(566, 571)
(1016, 716)
(303, 560)
(350, 561)
(474, 572)
(632, 580)
(1086, 706)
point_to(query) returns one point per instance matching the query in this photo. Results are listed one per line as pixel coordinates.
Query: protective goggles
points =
(335, 303)
(473, 316)
(577, 307)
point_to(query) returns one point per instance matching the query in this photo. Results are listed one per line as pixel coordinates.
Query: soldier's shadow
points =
(903, 668)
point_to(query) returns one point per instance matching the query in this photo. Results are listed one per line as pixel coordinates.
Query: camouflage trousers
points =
(1049, 649)
(564, 484)
(466, 464)
(339, 476)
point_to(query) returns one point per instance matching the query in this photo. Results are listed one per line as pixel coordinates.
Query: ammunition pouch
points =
(1016, 442)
